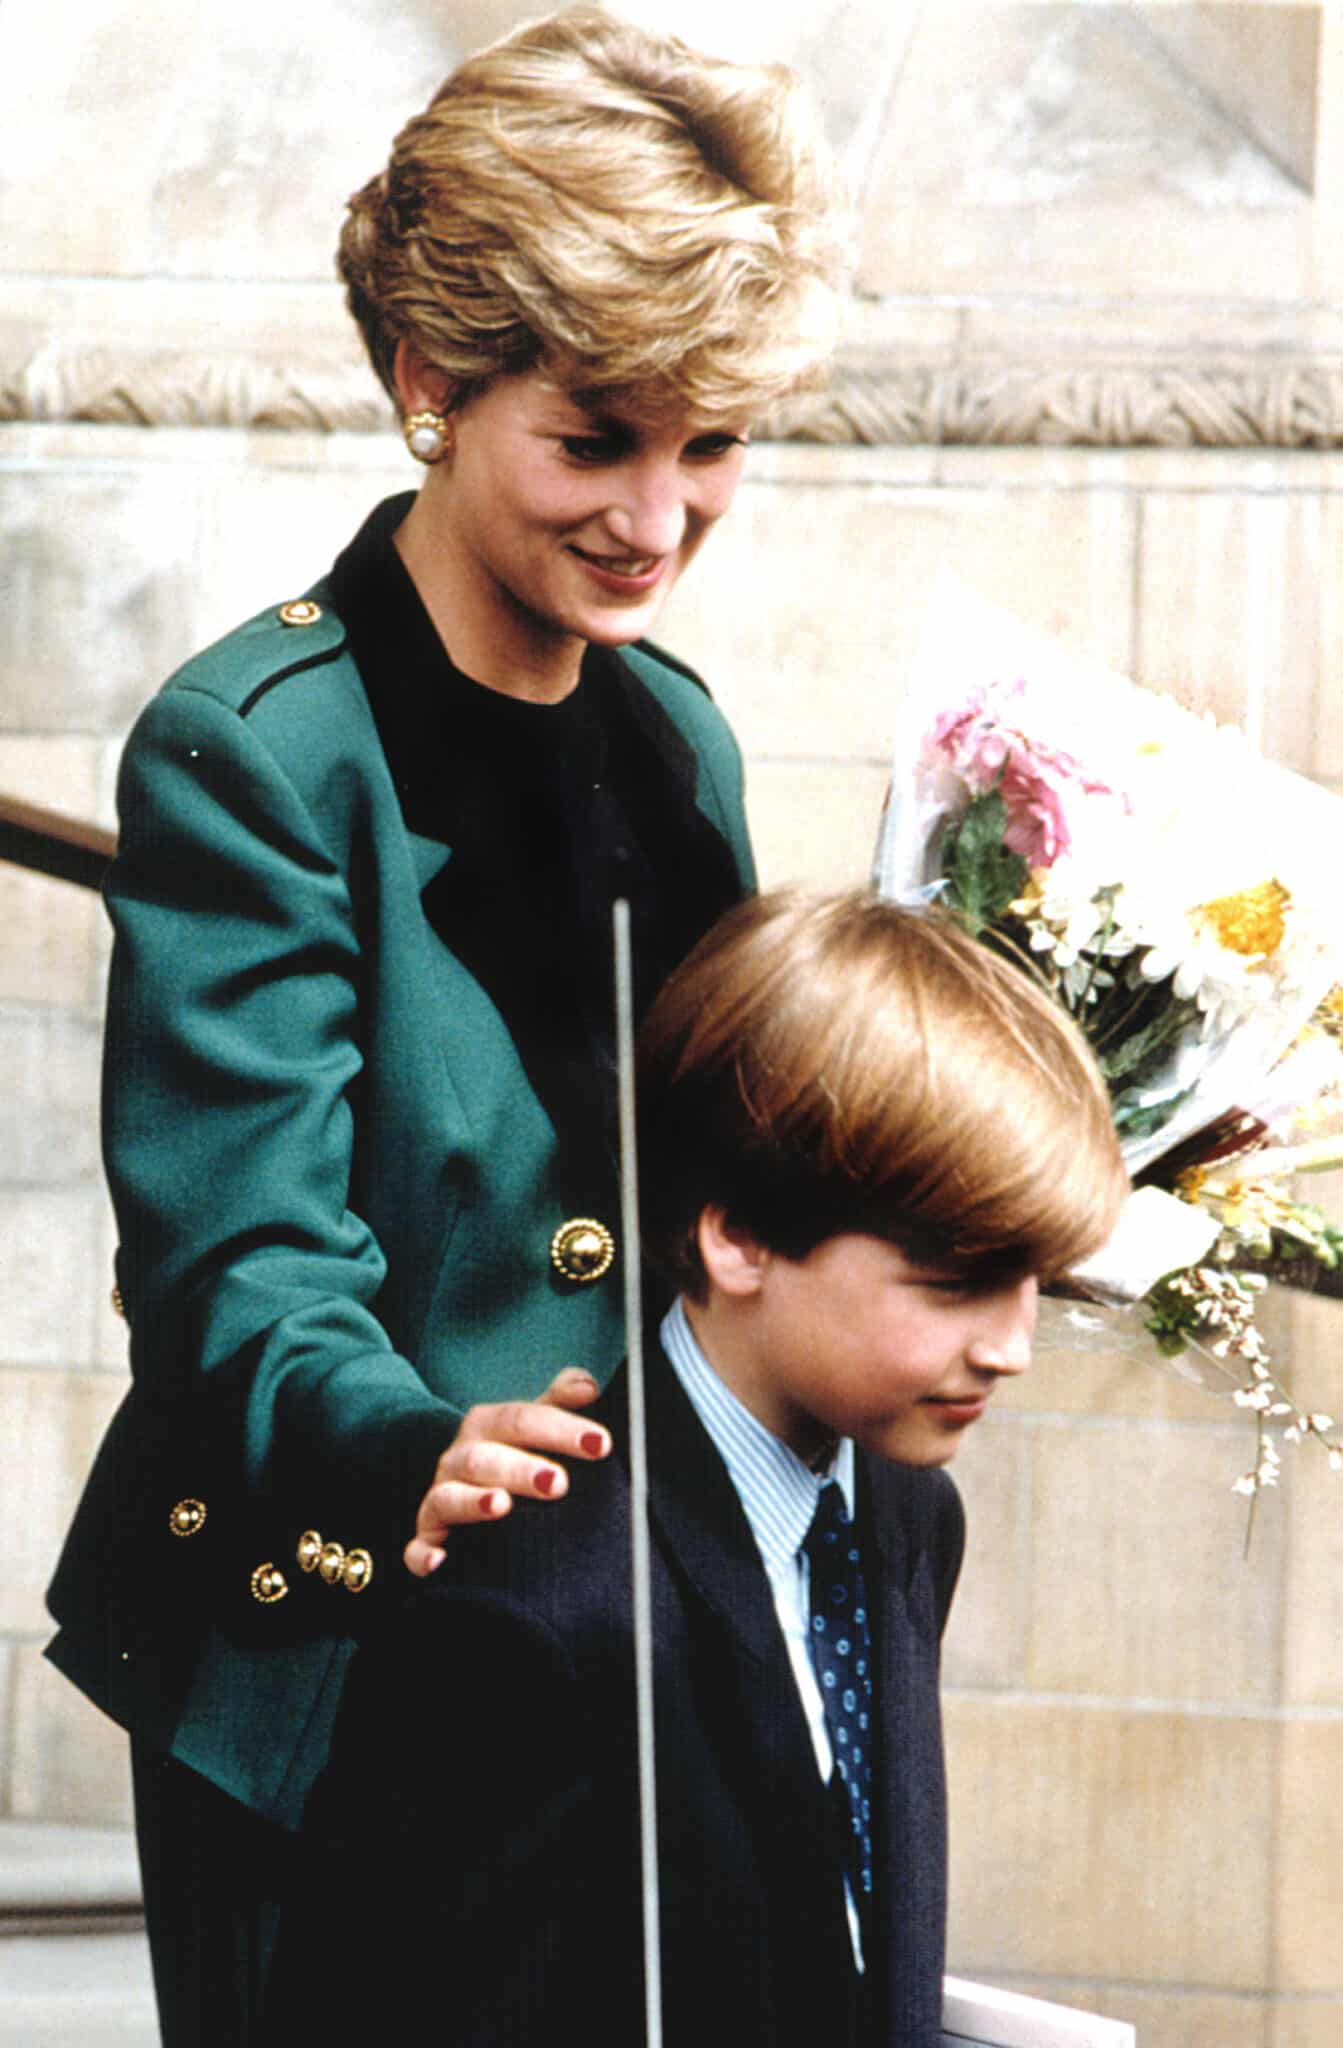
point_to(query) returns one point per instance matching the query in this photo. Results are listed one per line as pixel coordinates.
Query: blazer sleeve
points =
(232, 1046)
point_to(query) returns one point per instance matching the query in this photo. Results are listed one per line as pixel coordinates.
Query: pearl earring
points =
(428, 436)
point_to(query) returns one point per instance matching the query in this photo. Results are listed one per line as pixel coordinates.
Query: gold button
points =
(119, 1305)
(582, 1250)
(331, 1562)
(268, 1584)
(187, 1518)
(356, 1571)
(301, 611)
(309, 1550)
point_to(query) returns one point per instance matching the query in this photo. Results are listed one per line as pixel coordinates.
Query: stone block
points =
(51, 1239)
(248, 133)
(1140, 1587)
(49, 955)
(59, 1419)
(1193, 2017)
(1049, 150)
(49, 1107)
(1310, 1857)
(806, 611)
(1228, 609)
(1122, 1376)
(70, 1763)
(985, 1643)
(814, 822)
(1306, 2023)
(1320, 703)
(1111, 1842)
(7, 1656)
(94, 1989)
(100, 569)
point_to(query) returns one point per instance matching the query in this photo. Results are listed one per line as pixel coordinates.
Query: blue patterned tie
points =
(841, 1651)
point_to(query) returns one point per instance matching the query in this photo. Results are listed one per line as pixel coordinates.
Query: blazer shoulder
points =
(302, 638)
(647, 654)
(285, 680)
(921, 1508)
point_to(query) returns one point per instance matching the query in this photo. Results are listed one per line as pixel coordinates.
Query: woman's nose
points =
(1004, 1342)
(648, 515)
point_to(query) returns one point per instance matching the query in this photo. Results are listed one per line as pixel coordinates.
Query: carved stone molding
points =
(1244, 401)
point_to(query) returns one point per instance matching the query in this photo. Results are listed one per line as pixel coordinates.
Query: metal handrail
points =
(50, 843)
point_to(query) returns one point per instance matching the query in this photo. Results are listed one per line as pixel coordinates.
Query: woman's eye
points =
(592, 449)
(712, 447)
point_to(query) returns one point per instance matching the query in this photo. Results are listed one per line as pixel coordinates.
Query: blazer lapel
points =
(702, 1530)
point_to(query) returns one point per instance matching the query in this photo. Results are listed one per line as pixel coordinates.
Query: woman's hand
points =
(494, 1455)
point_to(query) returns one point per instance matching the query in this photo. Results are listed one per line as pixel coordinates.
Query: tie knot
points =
(830, 1539)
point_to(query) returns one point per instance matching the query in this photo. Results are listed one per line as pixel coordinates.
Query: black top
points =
(553, 811)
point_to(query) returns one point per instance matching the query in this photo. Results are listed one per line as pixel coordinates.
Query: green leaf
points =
(984, 876)
(1139, 1120)
(1121, 1059)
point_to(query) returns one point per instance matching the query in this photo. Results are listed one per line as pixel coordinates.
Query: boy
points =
(864, 1141)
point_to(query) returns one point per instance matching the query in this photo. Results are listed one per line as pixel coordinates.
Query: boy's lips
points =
(959, 1407)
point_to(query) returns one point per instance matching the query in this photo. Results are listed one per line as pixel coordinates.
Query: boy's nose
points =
(1004, 1343)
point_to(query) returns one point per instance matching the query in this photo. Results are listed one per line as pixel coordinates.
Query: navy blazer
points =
(477, 1820)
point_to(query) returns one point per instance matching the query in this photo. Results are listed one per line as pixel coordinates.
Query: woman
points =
(358, 1083)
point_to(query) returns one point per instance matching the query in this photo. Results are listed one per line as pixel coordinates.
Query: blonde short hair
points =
(825, 1064)
(589, 195)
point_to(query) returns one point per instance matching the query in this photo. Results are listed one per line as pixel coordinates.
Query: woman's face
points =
(551, 525)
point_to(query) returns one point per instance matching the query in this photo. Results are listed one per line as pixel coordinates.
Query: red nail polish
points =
(545, 1481)
(592, 1443)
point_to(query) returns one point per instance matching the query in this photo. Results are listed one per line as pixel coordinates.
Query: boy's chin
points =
(901, 1444)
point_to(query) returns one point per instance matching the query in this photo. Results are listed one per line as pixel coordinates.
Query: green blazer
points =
(338, 1165)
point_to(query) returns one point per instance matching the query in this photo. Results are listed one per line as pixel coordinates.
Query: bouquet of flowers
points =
(1175, 893)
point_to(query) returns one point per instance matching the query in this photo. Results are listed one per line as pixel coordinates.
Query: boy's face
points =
(857, 1340)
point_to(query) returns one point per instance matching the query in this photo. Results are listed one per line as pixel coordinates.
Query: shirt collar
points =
(777, 1491)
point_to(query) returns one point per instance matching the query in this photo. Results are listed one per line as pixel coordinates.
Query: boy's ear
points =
(734, 1261)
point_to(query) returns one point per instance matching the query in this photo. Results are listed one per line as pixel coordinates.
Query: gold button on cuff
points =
(331, 1562)
(268, 1584)
(187, 1518)
(582, 1250)
(119, 1305)
(301, 611)
(309, 1550)
(356, 1571)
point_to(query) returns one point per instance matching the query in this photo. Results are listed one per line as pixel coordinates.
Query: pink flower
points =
(984, 747)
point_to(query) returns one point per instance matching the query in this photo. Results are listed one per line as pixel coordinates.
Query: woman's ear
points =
(733, 1260)
(419, 386)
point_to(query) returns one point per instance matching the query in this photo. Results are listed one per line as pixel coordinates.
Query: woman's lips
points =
(622, 572)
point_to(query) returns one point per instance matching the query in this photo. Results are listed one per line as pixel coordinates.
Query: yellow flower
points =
(1329, 1015)
(1251, 922)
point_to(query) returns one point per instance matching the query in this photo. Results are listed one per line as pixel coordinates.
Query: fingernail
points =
(545, 1481)
(490, 1504)
(577, 1374)
(593, 1442)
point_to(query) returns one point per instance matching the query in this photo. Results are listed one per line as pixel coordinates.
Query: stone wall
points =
(1145, 1729)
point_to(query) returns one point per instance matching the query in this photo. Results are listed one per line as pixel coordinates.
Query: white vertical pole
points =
(639, 1549)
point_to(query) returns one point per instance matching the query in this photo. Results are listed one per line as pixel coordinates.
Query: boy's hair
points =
(826, 1064)
(601, 199)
